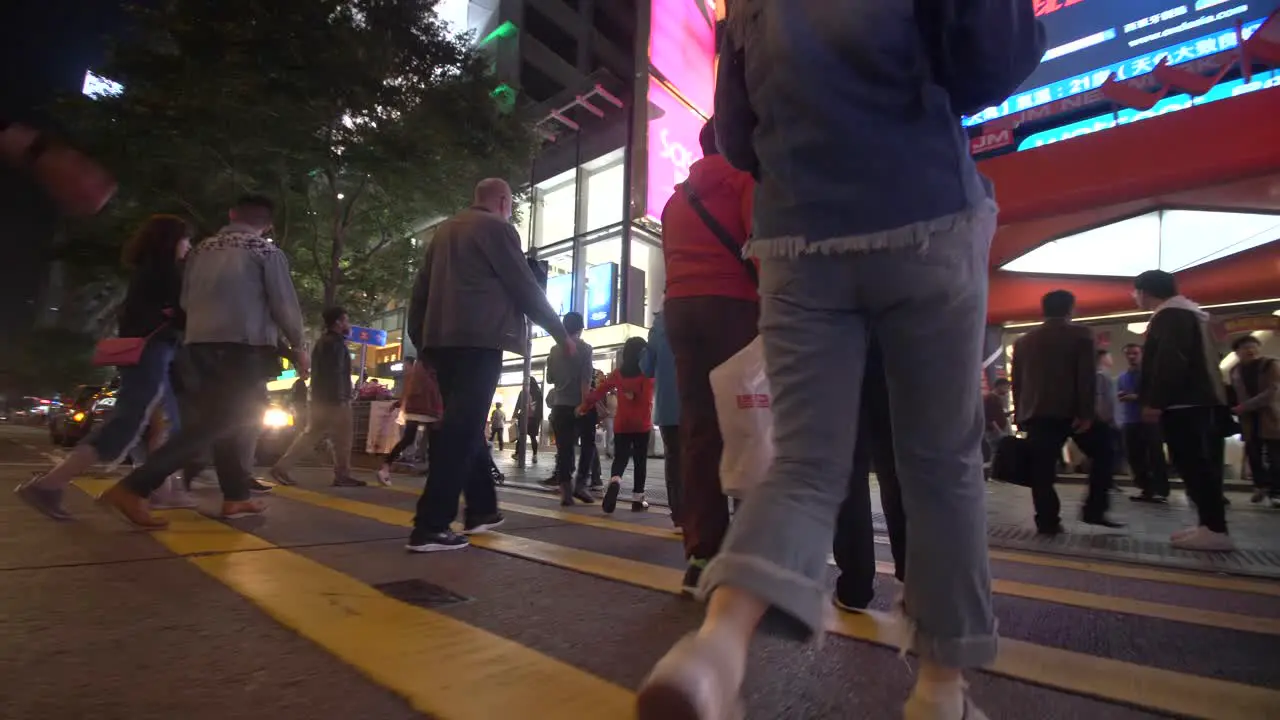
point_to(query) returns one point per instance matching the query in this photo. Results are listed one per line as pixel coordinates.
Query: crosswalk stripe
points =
(443, 667)
(1129, 571)
(1092, 601)
(1078, 673)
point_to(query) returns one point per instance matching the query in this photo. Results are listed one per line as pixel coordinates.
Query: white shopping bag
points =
(741, 391)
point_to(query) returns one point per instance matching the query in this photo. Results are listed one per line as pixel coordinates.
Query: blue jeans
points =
(927, 307)
(143, 388)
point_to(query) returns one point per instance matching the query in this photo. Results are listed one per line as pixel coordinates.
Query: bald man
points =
(468, 306)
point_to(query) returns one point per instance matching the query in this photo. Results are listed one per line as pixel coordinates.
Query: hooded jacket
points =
(1179, 361)
(697, 263)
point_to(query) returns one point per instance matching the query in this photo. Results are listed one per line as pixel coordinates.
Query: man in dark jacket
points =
(1054, 385)
(329, 413)
(469, 304)
(1182, 389)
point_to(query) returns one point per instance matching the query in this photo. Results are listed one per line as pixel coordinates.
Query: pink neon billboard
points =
(682, 47)
(682, 50)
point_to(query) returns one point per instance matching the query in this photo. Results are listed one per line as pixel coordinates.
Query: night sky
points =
(45, 47)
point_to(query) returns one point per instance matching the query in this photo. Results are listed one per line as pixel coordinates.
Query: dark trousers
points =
(457, 456)
(226, 387)
(1046, 436)
(406, 439)
(628, 447)
(1195, 448)
(704, 332)
(1144, 447)
(574, 433)
(671, 466)
(499, 436)
(1263, 455)
(854, 545)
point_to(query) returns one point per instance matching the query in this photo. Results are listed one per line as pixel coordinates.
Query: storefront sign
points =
(1251, 324)
(1072, 73)
(989, 141)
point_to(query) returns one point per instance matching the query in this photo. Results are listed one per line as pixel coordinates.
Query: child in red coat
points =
(631, 426)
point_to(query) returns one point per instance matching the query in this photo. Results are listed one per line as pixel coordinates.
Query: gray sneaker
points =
(47, 500)
(171, 500)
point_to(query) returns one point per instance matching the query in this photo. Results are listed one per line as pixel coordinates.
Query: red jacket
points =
(697, 263)
(635, 401)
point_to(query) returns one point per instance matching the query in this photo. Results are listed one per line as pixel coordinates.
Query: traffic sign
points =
(368, 336)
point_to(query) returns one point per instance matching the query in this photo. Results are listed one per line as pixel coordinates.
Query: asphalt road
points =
(316, 612)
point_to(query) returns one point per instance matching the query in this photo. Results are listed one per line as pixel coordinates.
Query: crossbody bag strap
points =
(722, 234)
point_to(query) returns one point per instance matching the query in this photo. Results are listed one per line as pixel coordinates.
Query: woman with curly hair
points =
(150, 312)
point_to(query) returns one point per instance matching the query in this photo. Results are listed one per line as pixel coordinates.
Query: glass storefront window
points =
(556, 208)
(523, 220)
(648, 279)
(603, 259)
(605, 186)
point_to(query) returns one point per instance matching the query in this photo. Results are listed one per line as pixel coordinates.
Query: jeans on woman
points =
(927, 307)
(143, 388)
(631, 447)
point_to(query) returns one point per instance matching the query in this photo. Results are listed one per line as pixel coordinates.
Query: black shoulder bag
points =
(721, 233)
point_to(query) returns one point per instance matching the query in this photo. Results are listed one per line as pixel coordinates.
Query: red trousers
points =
(703, 333)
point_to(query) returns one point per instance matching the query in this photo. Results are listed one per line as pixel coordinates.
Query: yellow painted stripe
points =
(442, 666)
(1270, 626)
(1133, 572)
(1079, 673)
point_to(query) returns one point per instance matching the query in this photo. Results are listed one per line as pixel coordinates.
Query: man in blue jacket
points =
(660, 364)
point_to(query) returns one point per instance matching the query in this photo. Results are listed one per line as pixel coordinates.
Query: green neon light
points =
(504, 31)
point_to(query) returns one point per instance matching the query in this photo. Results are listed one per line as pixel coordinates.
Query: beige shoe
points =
(919, 708)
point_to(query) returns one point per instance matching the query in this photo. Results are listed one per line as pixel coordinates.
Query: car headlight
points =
(78, 417)
(276, 418)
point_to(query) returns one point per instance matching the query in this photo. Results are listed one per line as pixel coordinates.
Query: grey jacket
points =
(475, 288)
(237, 289)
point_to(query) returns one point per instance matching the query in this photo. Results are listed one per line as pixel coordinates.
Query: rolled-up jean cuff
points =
(798, 606)
(960, 653)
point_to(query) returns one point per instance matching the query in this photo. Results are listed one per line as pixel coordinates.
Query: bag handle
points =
(722, 234)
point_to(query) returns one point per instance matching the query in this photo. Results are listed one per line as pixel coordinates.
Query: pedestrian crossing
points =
(437, 662)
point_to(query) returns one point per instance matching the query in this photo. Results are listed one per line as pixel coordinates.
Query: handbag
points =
(743, 403)
(1011, 461)
(720, 231)
(120, 352)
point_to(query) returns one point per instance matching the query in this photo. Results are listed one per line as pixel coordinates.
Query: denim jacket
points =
(848, 113)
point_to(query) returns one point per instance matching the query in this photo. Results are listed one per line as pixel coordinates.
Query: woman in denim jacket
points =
(870, 217)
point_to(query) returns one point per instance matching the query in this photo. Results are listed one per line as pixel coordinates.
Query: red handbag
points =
(119, 352)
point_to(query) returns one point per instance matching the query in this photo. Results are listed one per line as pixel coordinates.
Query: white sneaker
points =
(172, 500)
(384, 476)
(1185, 532)
(1205, 540)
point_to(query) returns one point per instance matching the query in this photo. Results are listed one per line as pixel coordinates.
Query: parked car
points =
(70, 422)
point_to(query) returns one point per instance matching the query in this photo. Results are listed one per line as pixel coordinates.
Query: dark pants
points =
(499, 436)
(406, 439)
(854, 544)
(628, 447)
(1145, 449)
(704, 332)
(671, 466)
(1046, 436)
(227, 390)
(458, 458)
(574, 433)
(535, 425)
(1263, 455)
(1195, 448)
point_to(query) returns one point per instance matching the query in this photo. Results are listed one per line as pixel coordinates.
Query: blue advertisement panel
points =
(602, 280)
(1090, 39)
